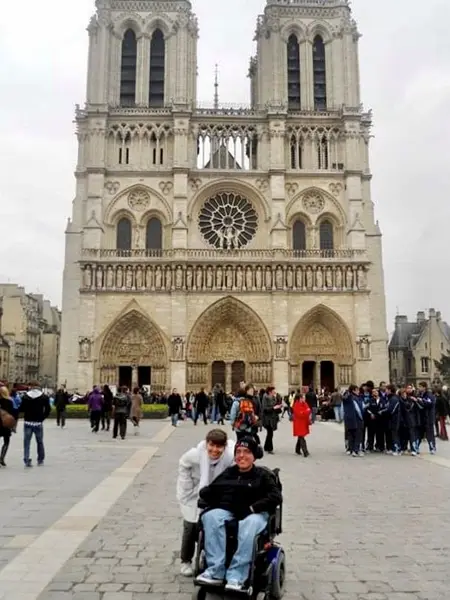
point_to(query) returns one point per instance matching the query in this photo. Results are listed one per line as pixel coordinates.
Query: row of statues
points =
(258, 373)
(230, 277)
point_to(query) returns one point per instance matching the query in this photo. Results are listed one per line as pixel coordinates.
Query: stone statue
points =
(199, 282)
(280, 348)
(139, 278)
(229, 238)
(268, 278)
(289, 278)
(364, 348)
(99, 278)
(85, 349)
(189, 278)
(168, 278)
(158, 278)
(299, 278)
(362, 280)
(87, 276)
(178, 345)
(329, 278)
(149, 278)
(179, 277)
(110, 277)
(309, 278)
(229, 278)
(129, 278)
(258, 278)
(137, 237)
(239, 278)
(338, 278)
(319, 278)
(279, 278)
(249, 278)
(219, 278)
(119, 278)
(349, 278)
(209, 278)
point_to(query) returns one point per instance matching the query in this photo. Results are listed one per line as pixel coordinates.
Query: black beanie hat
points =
(250, 444)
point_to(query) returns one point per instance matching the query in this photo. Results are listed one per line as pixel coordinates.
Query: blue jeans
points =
(339, 413)
(313, 414)
(174, 419)
(215, 544)
(38, 431)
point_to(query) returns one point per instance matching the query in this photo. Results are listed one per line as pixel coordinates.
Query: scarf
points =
(208, 466)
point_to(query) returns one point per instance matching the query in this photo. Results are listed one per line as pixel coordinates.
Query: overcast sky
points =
(405, 71)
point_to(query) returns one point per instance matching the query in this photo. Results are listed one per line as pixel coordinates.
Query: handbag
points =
(7, 420)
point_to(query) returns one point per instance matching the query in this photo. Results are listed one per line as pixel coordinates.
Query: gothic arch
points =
(293, 28)
(157, 203)
(128, 21)
(230, 185)
(319, 28)
(321, 334)
(334, 208)
(133, 339)
(158, 22)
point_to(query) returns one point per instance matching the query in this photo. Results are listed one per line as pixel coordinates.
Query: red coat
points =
(300, 419)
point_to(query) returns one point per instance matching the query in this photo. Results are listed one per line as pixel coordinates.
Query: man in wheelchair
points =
(243, 493)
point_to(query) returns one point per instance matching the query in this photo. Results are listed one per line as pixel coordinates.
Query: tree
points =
(443, 366)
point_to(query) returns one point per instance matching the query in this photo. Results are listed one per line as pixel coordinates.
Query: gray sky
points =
(405, 72)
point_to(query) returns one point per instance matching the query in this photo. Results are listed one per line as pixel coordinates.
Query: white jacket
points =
(193, 474)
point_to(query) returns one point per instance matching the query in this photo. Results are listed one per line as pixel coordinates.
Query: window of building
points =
(293, 69)
(153, 236)
(123, 234)
(157, 69)
(424, 364)
(394, 374)
(128, 69)
(319, 74)
(296, 149)
(299, 235)
(322, 152)
(326, 234)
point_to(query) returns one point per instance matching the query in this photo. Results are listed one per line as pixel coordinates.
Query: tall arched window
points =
(293, 69)
(123, 234)
(299, 235)
(319, 72)
(326, 235)
(128, 69)
(157, 69)
(153, 234)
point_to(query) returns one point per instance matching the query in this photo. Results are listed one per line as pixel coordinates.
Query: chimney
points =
(401, 319)
(421, 317)
(438, 315)
(432, 313)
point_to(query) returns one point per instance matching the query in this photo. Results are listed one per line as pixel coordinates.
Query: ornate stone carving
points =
(262, 184)
(138, 199)
(166, 187)
(228, 221)
(364, 344)
(85, 349)
(281, 347)
(313, 202)
(195, 184)
(178, 348)
(112, 187)
(291, 188)
(165, 277)
(335, 188)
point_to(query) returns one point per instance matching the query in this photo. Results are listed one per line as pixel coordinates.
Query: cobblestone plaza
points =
(100, 520)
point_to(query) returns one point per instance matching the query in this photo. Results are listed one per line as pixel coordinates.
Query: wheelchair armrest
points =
(201, 504)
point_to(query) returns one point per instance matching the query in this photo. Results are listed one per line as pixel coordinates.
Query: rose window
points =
(228, 221)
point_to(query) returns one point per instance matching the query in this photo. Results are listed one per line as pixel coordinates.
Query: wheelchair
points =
(268, 566)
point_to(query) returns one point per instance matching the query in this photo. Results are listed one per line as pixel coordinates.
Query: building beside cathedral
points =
(223, 244)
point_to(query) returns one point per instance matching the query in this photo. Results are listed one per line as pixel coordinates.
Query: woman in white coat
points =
(197, 468)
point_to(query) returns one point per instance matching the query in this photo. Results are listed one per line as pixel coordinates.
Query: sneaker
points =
(234, 586)
(28, 464)
(432, 452)
(413, 453)
(206, 579)
(40, 463)
(186, 570)
(2, 463)
(395, 453)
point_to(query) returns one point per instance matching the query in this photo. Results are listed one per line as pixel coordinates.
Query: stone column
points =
(228, 377)
(134, 377)
(317, 375)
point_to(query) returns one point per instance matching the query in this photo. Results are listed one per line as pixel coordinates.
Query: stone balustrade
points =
(164, 276)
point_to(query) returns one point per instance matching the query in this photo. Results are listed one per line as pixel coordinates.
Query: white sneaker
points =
(234, 586)
(186, 570)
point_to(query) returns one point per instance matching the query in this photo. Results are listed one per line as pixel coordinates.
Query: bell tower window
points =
(319, 72)
(293, 69)
(157, 69)
(128, 69)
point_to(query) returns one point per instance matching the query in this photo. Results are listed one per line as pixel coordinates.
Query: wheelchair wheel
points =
(276, 586)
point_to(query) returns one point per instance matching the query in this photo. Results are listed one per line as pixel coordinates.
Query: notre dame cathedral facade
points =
(229, 243)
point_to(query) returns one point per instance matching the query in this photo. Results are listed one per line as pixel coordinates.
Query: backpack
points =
(246, 415)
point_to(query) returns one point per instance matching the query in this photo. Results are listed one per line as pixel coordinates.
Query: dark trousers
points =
(38, 432)
(355, 439)
(268, 444)
(387, 433)
(395, 444)
(430, 437)
(95, 419)
(120, 425)
(106, 419)
(61, 416)
(371, 429)
(443, 429)
(198, 413)
(301, 446)
(6, 434)
(188, 541)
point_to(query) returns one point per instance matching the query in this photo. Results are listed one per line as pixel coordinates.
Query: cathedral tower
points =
(215, 245)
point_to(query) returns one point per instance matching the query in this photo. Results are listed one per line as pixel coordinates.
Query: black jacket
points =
(311, 399)
(35, 406)
(61, 399)
(175, 404)
(236, 492)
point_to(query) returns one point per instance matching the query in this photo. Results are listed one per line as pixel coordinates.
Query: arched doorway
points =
(133, 353)
(228, 339)
(321, 351)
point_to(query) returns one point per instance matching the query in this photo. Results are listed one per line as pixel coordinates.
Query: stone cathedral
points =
(214, 245)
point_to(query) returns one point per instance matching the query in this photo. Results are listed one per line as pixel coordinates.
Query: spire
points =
(216, 88)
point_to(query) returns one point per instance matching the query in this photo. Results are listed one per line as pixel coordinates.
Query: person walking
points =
(311, 399)
(8, 420)
(270, 409)
(120, 412)
(107, 407)
(338, 407)
(95, 404)
(175, 405)
(36, 408)
(201, 404)
(61, 402)
(136, 409)
(301, 417)
(442, 412)
(353, 420)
